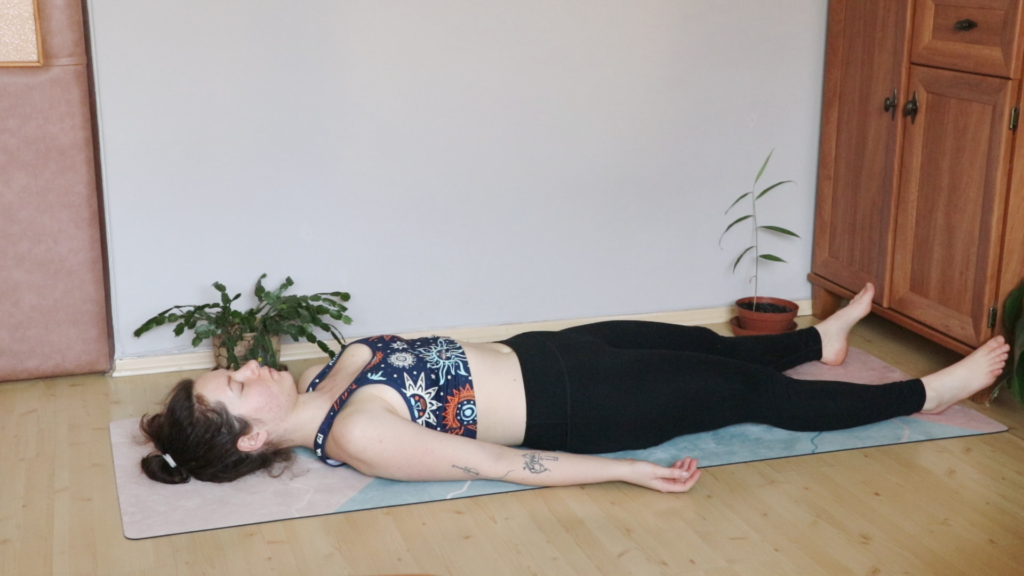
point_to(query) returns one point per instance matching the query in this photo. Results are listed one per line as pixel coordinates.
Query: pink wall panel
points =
(53, 300)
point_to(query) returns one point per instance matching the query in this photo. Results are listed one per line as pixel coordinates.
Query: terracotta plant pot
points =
(750, 322)
(220, 353)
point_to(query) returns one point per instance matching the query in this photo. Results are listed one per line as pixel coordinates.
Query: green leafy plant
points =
(1013, 321)
(275, 314)
(756, 247)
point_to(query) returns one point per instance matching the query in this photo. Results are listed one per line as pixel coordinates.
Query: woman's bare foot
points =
(835, 329)
(961, 380)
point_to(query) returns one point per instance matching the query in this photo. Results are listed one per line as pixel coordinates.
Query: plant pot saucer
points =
(734, 323)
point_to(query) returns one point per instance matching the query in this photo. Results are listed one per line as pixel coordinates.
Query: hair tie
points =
(169, 460)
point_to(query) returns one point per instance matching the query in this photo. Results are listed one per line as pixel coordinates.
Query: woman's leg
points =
(827, 341)
(777, 351)
(627, 399)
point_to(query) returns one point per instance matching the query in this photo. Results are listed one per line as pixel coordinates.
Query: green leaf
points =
(334, 304)
(744, 253)
(1012, 307)
(196, 341)
(763, 166)
(737, 201)
(179, 329)
(1017, 378)
(779, 230)
(772, 187)
(735, 222)
(260, 290)
(220, 287)
(772, 257)
(142, 330)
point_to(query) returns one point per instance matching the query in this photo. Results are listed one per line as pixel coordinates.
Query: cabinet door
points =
(952, 196)
(868, 44)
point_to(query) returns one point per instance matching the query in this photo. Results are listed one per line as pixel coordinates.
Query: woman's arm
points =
(377, 442)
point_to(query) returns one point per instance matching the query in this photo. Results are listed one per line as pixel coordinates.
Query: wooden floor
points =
(946, 507)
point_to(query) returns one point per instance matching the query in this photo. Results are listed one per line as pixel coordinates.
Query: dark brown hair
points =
(202, 439)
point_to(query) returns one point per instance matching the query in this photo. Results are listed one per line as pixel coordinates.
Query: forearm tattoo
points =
(467, 470)
(534, 462)
(476, 473)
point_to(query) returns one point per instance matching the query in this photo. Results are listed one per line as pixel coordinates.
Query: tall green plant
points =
(1013, 321)
(756, 247)
(275, 314)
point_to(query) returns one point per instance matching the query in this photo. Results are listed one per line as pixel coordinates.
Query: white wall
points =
(451, 162)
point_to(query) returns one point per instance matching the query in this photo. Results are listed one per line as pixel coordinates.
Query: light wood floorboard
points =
(934, 508)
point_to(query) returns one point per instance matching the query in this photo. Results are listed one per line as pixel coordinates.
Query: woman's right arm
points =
(378, 442)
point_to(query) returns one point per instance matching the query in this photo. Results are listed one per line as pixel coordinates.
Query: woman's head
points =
(220, 427)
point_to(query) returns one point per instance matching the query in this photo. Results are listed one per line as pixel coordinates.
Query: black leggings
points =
(625, 385)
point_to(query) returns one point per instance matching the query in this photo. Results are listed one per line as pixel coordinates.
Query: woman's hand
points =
(680, 477)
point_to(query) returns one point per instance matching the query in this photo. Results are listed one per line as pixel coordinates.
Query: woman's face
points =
(258, 394)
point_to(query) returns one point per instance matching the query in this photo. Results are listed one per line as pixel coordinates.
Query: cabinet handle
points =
(965, 25)
(910, 109)
(890, 104)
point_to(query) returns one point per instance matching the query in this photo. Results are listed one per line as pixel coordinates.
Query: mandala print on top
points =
(421, 400)
(460, 411)
(445, 356)
(402, 359)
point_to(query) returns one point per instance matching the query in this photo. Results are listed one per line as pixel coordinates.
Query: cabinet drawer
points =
(968, 35)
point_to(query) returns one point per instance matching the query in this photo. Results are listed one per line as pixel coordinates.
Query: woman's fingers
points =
(678, 484)
(679, 477)
(688, 464)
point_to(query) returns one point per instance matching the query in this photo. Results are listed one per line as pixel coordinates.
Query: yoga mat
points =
(151, 509)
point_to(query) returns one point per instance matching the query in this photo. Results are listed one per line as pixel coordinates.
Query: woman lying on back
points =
(437, 409)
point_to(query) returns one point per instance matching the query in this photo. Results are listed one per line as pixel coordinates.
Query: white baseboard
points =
(203, 359)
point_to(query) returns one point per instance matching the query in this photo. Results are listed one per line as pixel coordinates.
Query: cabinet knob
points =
(965, 25)
(889, 105)
(910, 108)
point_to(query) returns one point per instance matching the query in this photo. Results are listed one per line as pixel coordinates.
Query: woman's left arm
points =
(380, 443)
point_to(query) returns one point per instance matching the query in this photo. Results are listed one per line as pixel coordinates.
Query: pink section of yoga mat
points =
(151, 509)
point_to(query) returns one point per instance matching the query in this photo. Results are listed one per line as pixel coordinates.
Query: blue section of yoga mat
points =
(731, 445)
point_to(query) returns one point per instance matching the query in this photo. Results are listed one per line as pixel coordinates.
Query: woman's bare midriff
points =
(497, 385)
(500, 396)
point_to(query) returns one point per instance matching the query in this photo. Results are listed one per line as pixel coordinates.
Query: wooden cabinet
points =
(917, 187)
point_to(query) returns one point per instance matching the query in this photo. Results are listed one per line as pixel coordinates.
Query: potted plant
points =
(758, 314)
(254, 334)
(1013, 321)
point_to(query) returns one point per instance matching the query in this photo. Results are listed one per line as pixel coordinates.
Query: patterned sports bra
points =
(431, 374)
